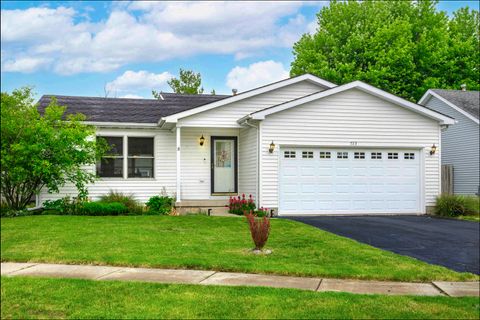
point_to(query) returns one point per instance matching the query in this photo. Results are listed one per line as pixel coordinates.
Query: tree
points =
(189, 82)
(400, 46)
(40, 151)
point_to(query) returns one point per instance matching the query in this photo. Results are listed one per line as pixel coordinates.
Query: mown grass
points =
(26, 298)
(202, 242)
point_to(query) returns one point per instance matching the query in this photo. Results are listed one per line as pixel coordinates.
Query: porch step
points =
(216, 207)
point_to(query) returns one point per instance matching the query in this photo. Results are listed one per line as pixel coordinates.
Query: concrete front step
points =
(216, 207)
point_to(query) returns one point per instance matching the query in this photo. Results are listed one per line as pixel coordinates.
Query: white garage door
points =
(349, 181)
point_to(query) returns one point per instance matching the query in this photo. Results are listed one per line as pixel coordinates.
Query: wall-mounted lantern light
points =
(433, 149)
(272, 147)
(202, 140)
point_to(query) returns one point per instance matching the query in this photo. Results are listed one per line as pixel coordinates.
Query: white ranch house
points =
(299, 146)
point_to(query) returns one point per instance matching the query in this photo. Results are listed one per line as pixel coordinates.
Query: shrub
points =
(456, 205)
(160, 204)
(63, 206)
(240, 205)
(259, 229)
(128, 200)
(262, 212)
(102, 208)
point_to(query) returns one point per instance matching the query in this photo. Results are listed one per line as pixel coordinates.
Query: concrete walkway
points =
(437, 288)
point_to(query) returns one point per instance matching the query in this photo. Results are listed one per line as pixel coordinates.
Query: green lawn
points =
(470, 218)
(201, 242)
(69, 298)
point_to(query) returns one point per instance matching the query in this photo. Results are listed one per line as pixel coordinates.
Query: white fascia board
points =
(121, 124)
(283, 83)
(431, 93)
(260, 115)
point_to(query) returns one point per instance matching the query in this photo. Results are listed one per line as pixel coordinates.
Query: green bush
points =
(63, 206)
(456, 205)
(160, 204)
(134, 207)
(102, 209)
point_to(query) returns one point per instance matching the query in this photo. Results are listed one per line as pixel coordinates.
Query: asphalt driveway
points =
(450, 243)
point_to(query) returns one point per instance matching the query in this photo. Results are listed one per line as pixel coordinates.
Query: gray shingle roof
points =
(466, 100)
(129, 110)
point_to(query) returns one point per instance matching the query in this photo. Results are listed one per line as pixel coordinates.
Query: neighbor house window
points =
(111, 165)
(140, 157)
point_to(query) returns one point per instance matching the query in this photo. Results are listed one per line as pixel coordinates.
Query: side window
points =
(140, 157)
(393, 155)
(342, 155)
(409, 156)
(289, 154)
(111, 165)
(307, 154)
(376, 155)
(325, 155)
(359, 155)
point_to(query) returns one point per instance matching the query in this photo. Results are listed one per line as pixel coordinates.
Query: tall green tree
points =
(404, 47)
(42, 151)
(188, 82)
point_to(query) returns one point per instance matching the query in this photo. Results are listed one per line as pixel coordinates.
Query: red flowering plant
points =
(239, 205)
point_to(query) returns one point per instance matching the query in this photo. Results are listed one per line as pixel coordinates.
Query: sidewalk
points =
(436, 288)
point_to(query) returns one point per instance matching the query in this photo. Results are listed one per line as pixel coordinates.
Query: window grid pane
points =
(342, 155)
(376, 155)
(392, 155)
(359, 155)
(409, 156)
(307, 154)
(289, 154)
(325, 155)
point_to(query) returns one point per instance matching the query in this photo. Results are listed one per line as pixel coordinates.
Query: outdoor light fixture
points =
(202, 140)
(433, 149)
(272, 147)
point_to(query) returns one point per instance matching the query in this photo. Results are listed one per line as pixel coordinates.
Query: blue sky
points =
(128, 48)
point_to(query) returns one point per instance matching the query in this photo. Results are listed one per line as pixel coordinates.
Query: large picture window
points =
(111, 165)
(140, 157)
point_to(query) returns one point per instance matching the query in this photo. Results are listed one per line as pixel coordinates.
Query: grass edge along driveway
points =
(209, 243)
(72, 298)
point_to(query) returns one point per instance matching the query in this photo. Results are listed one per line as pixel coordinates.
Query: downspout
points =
(257, 198)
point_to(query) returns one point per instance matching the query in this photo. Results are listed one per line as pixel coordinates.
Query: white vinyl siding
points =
(247, 154)
(227, 116)
(141, 188)
(460, 148)
(195, 161)
(351, 117)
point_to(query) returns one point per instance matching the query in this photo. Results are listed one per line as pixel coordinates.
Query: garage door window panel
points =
(307, 154)
(342, 155)
(289, 154)
(325, 155)
(393, 155)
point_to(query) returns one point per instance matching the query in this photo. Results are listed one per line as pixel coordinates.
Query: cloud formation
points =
(132, 81)
(66, 42)
(256, 75)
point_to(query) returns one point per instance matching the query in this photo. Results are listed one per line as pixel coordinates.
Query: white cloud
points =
(145, 32)
(256, 75)
(132, 96)
(131, 81)
(25, 65)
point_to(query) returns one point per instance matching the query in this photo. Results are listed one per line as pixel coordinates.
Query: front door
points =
(224, 165)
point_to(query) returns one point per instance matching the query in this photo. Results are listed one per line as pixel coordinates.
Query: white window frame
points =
(126, 157)
(141, 157)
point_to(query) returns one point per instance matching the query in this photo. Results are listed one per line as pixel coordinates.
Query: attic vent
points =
(234, 91)
(161, 97)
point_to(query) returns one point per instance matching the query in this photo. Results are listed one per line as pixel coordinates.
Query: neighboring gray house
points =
(460, 143)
